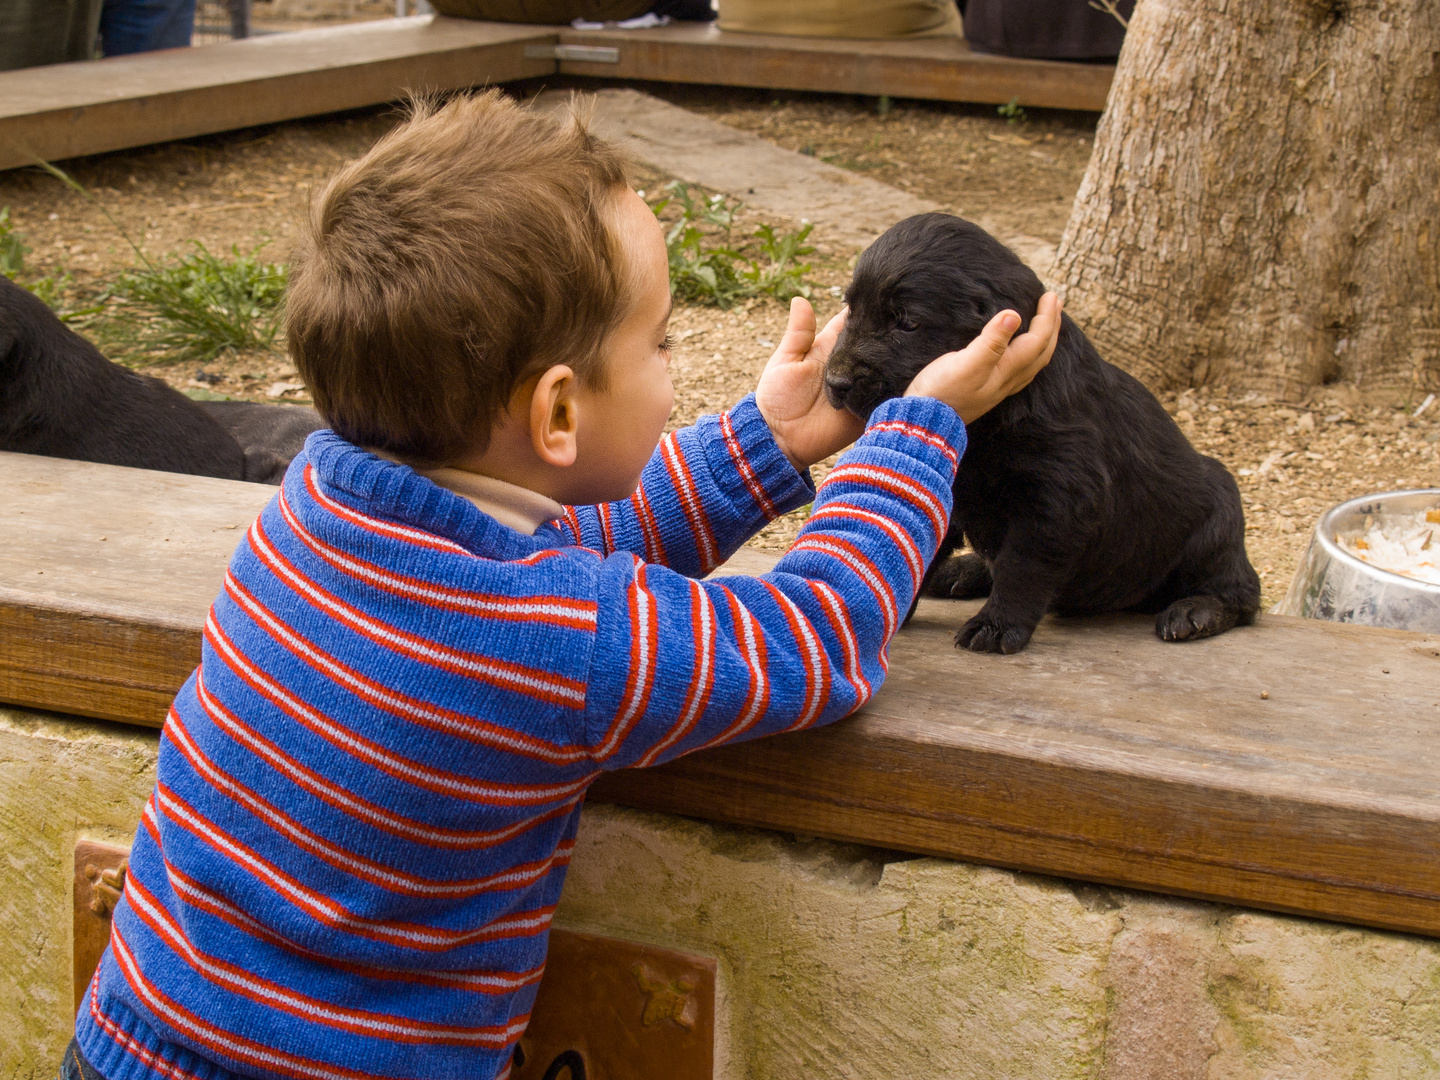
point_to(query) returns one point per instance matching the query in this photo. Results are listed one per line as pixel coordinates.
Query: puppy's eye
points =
(904, 325)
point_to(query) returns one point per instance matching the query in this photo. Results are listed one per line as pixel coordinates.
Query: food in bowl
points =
(1405, 544)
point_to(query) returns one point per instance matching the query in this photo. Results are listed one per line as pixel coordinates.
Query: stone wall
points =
(835, 960)
(61, 779)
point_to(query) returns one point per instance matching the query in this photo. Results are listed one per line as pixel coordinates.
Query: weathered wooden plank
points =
(937, 69)
(1098, 753)
(66, 110)
(1102, 753)
(105, 577)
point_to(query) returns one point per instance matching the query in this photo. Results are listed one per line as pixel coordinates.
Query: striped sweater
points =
(368, 791)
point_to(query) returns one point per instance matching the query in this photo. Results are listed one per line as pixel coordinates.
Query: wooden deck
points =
(935, 69)
(69, 110)
(1098, 753)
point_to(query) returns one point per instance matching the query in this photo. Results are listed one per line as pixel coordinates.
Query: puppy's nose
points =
(837, 386)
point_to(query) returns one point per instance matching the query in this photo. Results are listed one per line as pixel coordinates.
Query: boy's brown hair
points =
(469, 249)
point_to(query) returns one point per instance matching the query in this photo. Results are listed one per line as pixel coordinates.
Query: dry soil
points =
(252, 187)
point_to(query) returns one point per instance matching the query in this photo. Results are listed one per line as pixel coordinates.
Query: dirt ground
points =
(252, 187)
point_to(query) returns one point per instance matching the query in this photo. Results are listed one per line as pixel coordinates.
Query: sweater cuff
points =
(750, 468)
(922, 427)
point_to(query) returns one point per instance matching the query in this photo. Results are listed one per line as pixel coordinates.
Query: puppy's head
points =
(924, 288)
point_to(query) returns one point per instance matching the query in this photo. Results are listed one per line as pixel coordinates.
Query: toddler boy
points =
(460, 608)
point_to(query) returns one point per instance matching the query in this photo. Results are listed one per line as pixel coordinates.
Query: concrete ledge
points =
(61, 780)
(835, 960)
(843, 961)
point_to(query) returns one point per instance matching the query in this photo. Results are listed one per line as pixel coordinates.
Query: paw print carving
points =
(106, 887)
(673, 1001)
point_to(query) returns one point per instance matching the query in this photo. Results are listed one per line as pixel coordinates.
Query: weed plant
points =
(1013, 112)
(707, 266)
(197, 307)
(193, 308)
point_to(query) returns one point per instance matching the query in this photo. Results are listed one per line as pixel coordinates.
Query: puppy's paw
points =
(964, 577)
(987, 633)
(1195, 617)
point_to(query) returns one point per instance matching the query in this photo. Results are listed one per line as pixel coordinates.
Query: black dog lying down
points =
(1079, 494)
(60, 397)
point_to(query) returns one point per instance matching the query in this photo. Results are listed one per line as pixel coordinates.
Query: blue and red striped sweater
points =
(369, 789)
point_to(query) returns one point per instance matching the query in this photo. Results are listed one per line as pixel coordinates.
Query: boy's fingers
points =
(1032, 350)
(996, 335)
(825, 340)
(800, 330)
(1046, 322)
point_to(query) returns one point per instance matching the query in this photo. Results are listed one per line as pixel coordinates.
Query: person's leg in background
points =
(690, 10)
(36, 32)
(132, 26)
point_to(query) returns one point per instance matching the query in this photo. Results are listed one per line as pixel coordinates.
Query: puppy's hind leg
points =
(954, 536)
(1215, 583)
(963, 577)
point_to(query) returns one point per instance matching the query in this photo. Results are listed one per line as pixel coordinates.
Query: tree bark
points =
(1262, 208)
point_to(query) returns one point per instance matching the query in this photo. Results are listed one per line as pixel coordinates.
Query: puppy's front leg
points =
(1027, 575)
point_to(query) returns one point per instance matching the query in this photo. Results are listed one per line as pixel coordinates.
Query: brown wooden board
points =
(1103, 753)
(105, 578)
(66, 110)
(1098, 753)
(937, 69)
(99, 880)
(618, 1010)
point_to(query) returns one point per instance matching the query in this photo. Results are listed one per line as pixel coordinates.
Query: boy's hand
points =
(791, 392)
(992, 367)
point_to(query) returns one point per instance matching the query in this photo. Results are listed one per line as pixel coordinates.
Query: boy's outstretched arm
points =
(681, 664)
(710, 487)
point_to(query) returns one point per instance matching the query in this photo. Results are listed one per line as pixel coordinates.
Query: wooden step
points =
(935, 69)
(1098, 753)
(67, 110)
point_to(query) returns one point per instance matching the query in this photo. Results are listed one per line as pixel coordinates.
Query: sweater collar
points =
(398, 493)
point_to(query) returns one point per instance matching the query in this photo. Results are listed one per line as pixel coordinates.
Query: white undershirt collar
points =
(510, 504)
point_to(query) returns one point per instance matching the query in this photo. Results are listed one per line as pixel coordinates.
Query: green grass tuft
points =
(195, 308)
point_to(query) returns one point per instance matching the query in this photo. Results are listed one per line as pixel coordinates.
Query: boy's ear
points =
(555, 416)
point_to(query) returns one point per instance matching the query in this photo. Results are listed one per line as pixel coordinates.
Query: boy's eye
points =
(668, 344)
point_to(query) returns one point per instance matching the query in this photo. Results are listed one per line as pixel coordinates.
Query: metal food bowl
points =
(1332, 584)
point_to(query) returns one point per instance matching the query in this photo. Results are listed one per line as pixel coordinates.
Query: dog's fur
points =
(1079, 494)
(270, 435)
(60, 397)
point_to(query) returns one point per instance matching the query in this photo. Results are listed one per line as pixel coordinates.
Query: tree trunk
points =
(1263, 205)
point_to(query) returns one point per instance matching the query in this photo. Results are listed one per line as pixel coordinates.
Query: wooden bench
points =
(1098, 753)
(68, 110)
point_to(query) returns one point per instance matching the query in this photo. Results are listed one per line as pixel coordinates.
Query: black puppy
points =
(60, 397)
(1079, 494)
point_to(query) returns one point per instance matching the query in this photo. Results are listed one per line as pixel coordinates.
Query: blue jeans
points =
(132, 26)
(75, 1067)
